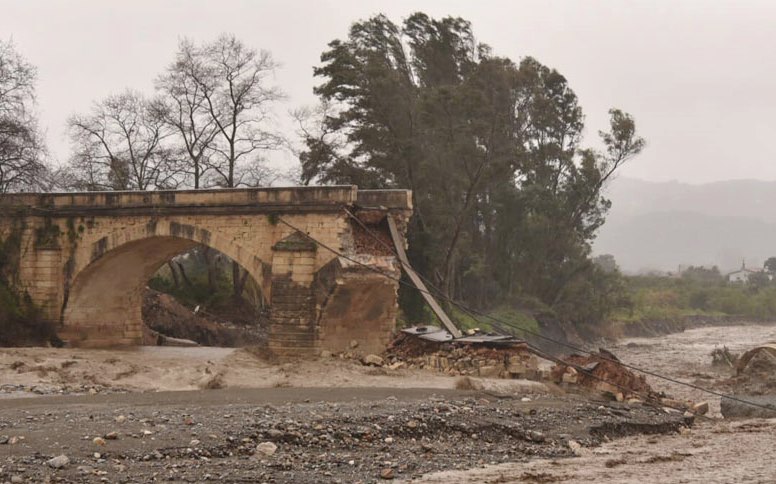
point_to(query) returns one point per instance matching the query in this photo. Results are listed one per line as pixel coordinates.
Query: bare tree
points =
(228, 81)
(232, 80)
(183, 107)
(118, 146)
(21, 146)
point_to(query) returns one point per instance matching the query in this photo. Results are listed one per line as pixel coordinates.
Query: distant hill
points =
(655, 225)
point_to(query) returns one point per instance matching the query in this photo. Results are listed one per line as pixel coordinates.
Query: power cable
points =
(525, 330)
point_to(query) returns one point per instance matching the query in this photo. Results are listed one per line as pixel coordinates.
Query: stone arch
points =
(104, 299)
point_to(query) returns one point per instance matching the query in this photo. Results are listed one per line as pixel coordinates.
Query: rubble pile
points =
(375, 239)
(755, 373)
(513, 361)
(604, 373)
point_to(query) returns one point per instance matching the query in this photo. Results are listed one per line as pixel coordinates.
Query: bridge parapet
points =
(241, 200)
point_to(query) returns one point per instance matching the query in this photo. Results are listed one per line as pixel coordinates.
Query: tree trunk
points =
(239, 287)
(238, 280)
(183, 275)
(211, 269)
(174, 273)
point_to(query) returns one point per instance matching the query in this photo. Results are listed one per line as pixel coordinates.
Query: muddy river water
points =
(714, 450)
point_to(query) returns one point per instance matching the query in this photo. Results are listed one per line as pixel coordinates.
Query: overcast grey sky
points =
(697, 75)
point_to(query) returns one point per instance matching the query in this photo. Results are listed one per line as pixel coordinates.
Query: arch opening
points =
(108, 298)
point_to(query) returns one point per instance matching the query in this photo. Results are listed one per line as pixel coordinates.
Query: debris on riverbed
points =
(287, 435)
(754, 381)
(465, 359)
(755, 372)
(169, 323)
(723, 357)
(603, 372)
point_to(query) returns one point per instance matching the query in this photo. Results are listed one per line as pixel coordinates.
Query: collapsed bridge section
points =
(85, 258)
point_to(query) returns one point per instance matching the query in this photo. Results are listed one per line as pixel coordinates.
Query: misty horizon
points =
(693, 74)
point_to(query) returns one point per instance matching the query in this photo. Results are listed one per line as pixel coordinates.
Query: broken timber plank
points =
(398, 242)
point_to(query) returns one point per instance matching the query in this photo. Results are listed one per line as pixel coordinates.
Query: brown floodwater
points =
(714, 450)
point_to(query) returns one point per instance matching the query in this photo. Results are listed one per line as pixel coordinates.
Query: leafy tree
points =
(506, 199)
(758, 280)
(703, 274)
(606, 263)
(22, 150)
(770, 265)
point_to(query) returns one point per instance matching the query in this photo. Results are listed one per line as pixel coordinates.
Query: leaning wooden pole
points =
(440, 313)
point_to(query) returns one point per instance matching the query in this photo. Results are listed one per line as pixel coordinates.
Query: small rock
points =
(58, 462)
(570, 376)
(97, 455)
(194, 443)
(4, 439)
(389, 440)
(412, 424)
(99, 441)
(575, 447)
(325, 354)
(396, 366)
(112, 436)
(373, 360)
(701, 408)
(386, 473)
(266, 448)
(354, 344)
(120, 419)
(16, 479)
(275, 433)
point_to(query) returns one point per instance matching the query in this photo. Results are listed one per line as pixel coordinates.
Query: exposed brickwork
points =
(86, 258)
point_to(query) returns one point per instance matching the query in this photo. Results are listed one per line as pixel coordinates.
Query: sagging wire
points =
(511, 325)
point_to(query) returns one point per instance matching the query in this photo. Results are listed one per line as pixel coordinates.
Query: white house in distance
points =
(742, 274)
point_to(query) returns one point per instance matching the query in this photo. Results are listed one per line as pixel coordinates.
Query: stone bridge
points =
(85, 258)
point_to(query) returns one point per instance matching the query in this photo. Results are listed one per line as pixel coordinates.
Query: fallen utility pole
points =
(398, 242)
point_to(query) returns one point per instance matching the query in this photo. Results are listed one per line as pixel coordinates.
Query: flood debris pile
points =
(169, 323)
(723, 357)
(755, 381)
(602, 371)
(464, 359)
